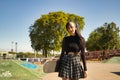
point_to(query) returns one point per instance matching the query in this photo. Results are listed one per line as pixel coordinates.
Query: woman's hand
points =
(85, 74)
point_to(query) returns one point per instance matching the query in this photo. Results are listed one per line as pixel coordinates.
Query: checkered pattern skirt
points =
(70, 67)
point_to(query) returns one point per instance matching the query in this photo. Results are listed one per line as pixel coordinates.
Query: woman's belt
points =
(73, 53)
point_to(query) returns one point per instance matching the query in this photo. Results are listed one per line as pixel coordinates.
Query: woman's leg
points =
(74, 79)
(65, 79)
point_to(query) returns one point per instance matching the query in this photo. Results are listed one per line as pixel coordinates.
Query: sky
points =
(16, 16)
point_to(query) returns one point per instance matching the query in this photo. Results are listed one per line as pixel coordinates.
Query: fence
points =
(101, 55)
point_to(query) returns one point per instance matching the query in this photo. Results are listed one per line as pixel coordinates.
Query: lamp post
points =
(16, 47)
(12, 46)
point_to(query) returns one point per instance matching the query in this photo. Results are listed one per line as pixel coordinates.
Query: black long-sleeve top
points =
(72, 44)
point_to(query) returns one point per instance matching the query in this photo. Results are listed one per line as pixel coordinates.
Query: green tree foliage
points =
(48, 31)
(105, 37)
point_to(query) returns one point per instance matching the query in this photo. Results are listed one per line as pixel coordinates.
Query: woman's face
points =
(71, 28)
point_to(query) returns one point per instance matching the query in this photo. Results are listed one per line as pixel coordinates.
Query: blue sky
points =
(17, 15)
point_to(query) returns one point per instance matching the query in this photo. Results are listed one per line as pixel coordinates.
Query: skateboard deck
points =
(51, 66)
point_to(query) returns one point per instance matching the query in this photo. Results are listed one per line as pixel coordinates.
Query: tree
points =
(48, 31)
(105, 37)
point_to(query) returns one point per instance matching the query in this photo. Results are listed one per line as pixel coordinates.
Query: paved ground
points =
(96, 71)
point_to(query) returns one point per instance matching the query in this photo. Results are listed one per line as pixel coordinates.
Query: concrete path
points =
(96, 71)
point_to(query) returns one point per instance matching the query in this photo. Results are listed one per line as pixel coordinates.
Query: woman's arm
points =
(63, 48)
(83, 59)
(83, 54)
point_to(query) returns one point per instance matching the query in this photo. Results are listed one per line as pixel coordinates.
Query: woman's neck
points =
(72, 35)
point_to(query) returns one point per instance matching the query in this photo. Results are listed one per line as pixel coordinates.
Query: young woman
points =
(73, 49)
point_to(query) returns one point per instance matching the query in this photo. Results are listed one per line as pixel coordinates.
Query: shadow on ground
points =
(117, 73)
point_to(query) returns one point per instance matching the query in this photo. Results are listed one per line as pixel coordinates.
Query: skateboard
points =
(51, 66)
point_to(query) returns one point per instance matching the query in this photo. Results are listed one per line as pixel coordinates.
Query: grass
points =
(12, 70)
(112, 60)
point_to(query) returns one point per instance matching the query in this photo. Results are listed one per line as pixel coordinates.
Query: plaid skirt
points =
(70, 67)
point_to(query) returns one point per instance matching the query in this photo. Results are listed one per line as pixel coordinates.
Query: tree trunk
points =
(43, 52)
(46, 53)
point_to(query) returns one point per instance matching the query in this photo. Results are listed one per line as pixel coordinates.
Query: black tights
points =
(73, 79)
(69, 79)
